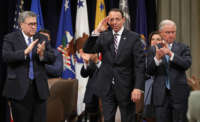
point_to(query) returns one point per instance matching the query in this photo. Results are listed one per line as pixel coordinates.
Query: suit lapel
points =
(111, 43)
(174, 49)
(21, 40)
(122, 42)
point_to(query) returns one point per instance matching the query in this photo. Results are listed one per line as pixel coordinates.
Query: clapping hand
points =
(194, 83)
(40, 49)
(159, 53)
(165, 48)
(84, 56)
(30, 47)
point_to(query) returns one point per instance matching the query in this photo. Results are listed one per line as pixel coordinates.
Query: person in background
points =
(90, 69)
(194, 82)
(155, 38)
(148, 112)
(120, 79)
(193, 113)
(26, 53)
(168, 62)
(53, 70)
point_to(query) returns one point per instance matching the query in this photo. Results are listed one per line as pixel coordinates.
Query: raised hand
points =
(103, 25)
(159, 53)
(30, 47)
(194, 82)
(165, 48)
(84, 56)
(41, 48)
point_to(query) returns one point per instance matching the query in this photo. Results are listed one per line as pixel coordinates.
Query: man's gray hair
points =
(25, 14)
(166, 22)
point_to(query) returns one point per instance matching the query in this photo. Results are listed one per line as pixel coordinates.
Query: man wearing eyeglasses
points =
(168, 63)
(26, 54)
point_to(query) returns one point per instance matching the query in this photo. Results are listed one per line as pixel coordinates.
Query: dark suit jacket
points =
(17, 82)
(177, 67)
(90, 72)
(55, 70)
(127, 67)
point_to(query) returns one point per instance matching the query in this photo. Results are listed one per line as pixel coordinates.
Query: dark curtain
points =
(151, 15)
(4, 10)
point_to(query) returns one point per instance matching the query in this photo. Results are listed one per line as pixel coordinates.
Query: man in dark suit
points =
(168, 62)
(120, 80)
(26, 87)
(91, 100)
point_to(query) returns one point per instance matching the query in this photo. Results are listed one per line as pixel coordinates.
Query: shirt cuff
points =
(41, 58)
(95, 34)
(98, 64)
(140, 90)
(157, 61)
(85, 65)
(172, 57)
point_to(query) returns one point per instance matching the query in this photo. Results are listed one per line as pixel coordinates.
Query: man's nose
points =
(114, 21)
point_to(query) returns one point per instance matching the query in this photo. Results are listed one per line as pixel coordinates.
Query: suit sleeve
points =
(56, 68)
(9, 54)
(49, 56)
(184, 59)
(139, 64)
(89, 71)
(151, 65)
(93, 44)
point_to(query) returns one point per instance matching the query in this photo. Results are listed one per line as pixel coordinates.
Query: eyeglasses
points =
(31, 24)
(170, 32)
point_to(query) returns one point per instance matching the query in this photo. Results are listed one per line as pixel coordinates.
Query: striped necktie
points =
(115, 42)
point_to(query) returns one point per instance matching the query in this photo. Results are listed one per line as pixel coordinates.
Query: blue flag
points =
(35, 7)
(141, 18)
(64, 38)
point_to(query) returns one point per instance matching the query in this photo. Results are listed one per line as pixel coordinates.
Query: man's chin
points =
(32, 33)
(116, 29)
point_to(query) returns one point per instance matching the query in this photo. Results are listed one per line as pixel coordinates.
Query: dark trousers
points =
(29, 109)
(170, 111)
(92, 109)
(110, 103)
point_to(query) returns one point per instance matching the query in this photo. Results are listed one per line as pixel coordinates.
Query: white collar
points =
(26, 37)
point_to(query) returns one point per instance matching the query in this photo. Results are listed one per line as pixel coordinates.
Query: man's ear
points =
(20, 25)
(124, 19)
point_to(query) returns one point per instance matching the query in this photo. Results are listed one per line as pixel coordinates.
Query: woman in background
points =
(148, 113)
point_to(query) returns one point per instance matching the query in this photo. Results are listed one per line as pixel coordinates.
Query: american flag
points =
(19, 8)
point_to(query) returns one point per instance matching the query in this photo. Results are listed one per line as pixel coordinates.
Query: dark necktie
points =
(31, 73)
(115, 42)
